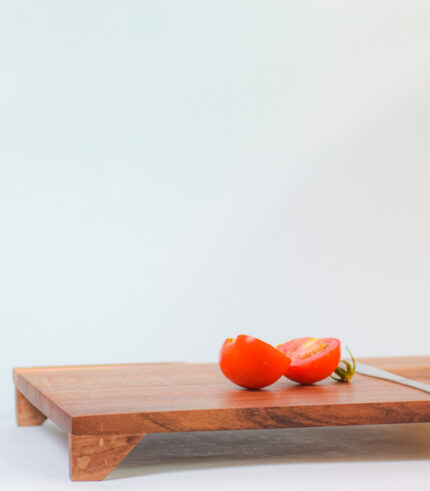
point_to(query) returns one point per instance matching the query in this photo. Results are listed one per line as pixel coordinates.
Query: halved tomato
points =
(251, 363)
(311, 359)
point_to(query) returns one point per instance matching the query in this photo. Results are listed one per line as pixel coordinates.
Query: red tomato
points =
(251, 363)
(311, 359)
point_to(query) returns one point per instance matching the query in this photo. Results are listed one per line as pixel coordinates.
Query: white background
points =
(172, 174)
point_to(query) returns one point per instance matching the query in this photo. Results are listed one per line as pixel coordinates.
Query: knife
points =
(392, 377)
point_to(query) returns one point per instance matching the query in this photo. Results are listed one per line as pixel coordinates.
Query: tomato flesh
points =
(312, 359)
(251, 363)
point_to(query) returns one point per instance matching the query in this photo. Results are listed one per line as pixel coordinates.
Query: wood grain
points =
(92, 458)
(26, 413)
(128, 401)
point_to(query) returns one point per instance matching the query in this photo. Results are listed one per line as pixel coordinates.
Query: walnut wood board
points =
(107, 409)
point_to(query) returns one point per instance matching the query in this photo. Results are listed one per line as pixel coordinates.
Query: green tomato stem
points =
(345, 374)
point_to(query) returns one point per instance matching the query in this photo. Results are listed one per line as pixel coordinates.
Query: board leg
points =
(93, 457)
(26, 413)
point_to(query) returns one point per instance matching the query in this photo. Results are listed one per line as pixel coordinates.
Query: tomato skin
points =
(312, 359)
(251, 363)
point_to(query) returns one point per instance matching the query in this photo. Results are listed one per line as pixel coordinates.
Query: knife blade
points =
(370, 371)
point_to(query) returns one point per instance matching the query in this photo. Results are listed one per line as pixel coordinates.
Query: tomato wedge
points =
(311, 359)
(251, 363)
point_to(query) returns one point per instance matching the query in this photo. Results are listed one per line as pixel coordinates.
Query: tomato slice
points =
(251, 363)
(311, 359)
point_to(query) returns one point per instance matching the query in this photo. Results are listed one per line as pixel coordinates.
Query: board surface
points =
(107, 409)
(151, 398)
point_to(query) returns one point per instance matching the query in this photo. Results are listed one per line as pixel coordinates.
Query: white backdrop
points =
(172, 174)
